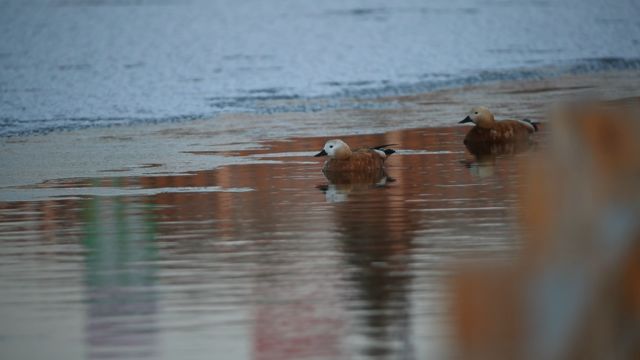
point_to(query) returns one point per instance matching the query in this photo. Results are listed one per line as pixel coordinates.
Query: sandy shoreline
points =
(38, 161)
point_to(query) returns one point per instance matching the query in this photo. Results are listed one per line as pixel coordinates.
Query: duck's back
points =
(361, 160)
(502, 131)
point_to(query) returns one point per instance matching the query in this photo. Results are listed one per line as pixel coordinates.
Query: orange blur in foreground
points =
(574, 291)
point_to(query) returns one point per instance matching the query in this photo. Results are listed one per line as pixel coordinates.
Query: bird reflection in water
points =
(342, 184)
(376, 235)
(483, 163)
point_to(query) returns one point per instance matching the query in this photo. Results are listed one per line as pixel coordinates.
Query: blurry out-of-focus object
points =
(574, 290)
(489, 131)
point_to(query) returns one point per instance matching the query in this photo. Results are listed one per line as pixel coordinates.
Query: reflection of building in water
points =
(320, 279)
(120, 278)
(299, 312)
(297, 315)
(296, 311)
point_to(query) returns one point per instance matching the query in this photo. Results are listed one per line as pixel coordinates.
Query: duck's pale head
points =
(336, 149)
(481, 116)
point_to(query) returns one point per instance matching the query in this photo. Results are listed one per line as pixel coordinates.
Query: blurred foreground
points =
(574, 290)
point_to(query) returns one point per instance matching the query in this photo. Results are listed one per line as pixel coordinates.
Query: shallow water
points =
(68, 64)
(264, 260)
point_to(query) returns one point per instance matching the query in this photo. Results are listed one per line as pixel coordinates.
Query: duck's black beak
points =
(466, 120)
(321, 153)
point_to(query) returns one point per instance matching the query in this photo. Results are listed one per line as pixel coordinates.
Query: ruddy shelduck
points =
(363, 160)
(488, 130)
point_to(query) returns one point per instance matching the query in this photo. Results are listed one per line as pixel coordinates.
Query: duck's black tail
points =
(386, 151)
(533, 123)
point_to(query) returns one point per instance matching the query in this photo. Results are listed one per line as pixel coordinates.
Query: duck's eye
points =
(330, 146)
(476, 113)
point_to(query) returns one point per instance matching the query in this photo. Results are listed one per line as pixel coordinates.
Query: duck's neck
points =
(343, 153)
(486, 122)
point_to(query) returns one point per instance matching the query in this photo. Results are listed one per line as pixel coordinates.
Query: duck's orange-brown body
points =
(489, 131)
(500, 132)
(361, 160)
(344, 160)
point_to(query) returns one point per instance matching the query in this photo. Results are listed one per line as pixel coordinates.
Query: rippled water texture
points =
(264, 260)
(67, 64)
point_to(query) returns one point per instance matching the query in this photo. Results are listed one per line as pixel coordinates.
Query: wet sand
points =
(223, 237)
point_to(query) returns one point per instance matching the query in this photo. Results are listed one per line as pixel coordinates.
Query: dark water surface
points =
(291, 267)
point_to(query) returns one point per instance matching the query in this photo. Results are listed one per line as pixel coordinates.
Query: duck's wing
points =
(515, 125)
(508, 130)
(368, 155)
(381, 148)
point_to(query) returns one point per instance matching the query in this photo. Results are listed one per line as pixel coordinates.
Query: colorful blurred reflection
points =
(120, 278)
(299, 267)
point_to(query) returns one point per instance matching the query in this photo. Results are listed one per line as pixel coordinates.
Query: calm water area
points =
(267, 260)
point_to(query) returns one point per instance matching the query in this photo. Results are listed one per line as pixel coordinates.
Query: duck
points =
(488, 130)
(362, 160)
